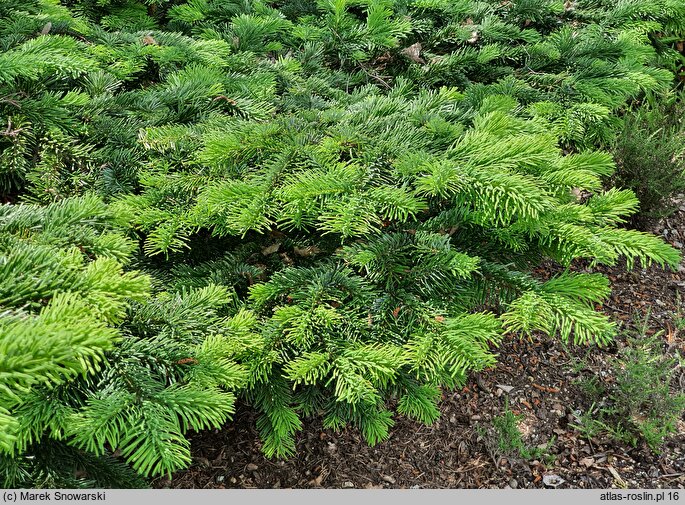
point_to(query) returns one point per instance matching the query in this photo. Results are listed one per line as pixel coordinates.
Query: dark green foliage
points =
(650, 159)
(54, 464)
(328, 208)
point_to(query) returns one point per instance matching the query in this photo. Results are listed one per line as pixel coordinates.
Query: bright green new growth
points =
(328, 208)
(89, 360)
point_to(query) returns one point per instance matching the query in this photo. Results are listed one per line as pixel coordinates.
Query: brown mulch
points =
(459, 450)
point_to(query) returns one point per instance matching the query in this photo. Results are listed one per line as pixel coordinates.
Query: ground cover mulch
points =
(538, 379)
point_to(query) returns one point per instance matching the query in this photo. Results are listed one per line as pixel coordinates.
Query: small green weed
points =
(638, 404)
(587, 423)
(679, 317)
(510, 440)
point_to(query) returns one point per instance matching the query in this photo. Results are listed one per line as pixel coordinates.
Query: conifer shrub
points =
(326, 208)
(379, 270)
(62, 292)
(90, 364)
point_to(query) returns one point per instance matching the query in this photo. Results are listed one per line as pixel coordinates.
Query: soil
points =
(538, 379)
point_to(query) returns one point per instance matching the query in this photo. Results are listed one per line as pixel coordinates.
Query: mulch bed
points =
(459, 451)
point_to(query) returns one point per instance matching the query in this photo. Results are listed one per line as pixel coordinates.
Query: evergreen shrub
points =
(328, 208)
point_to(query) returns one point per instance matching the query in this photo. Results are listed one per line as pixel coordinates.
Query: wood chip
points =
(413, 52)
(545, 389)
(310, 250)
(389, 478)
(587, 462)
(552, 480)
(619, 481)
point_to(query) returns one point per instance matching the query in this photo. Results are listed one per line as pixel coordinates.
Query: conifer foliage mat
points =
(454, 452)
(331, 210)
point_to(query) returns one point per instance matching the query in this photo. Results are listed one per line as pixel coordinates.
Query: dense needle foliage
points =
(326, 208)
